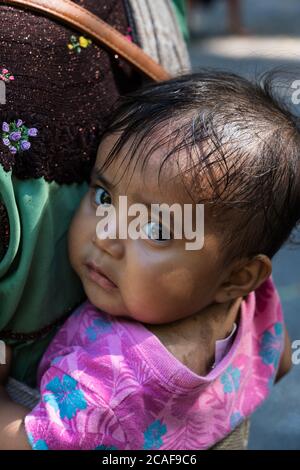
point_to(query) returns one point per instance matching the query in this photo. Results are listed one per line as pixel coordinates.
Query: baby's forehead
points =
(156, 175)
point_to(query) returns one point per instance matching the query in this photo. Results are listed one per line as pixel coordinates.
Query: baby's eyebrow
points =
(98, 175)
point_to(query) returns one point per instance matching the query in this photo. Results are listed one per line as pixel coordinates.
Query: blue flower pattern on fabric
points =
(153, 435)
(271, 346)
(100, 325)
(40, 444)
(231, 379)
(235, 419)
(56, 360)
(65, 397)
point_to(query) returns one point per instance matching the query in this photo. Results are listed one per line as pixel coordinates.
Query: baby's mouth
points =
(99, 277)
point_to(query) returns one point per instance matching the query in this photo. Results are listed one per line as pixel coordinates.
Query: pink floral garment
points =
(108, 383)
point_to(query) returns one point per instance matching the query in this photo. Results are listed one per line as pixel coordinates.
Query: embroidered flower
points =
(65, 397)
(78, 43)
(32, 132)
(25, 145)
(153, 435)
(12, 149)
(5, 127)
(231, 379)
(84, 42)
(15, 135)
(6, 76)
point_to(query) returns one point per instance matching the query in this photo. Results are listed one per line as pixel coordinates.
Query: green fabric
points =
(37, 284)
(181, 13)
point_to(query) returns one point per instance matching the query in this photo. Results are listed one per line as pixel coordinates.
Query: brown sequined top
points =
(63, 93)
(66, 95)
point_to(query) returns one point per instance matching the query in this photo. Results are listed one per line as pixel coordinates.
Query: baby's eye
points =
(101, 196)
(156, 231)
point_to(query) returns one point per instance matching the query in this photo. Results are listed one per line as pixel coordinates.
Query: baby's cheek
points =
(160, 280)
(177, 283)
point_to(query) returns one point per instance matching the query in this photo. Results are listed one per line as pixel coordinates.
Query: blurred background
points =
(249, 37)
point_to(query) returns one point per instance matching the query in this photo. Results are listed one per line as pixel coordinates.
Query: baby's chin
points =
(109, 303)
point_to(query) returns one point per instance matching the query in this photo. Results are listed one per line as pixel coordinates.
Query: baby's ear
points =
(244, 278)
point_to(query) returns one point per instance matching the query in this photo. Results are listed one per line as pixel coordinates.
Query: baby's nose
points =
(107, 239)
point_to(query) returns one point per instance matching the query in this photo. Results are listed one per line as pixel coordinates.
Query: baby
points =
(175, 346)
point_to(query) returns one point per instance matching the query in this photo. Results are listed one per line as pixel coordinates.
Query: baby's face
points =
(151, 281)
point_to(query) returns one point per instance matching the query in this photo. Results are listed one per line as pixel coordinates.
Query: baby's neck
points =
(192, 340)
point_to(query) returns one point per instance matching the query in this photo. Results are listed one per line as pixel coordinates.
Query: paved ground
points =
(275, 41)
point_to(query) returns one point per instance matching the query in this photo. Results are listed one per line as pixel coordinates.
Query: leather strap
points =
(95, 28)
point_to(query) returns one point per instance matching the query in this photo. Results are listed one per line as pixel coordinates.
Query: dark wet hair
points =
(247, 145)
